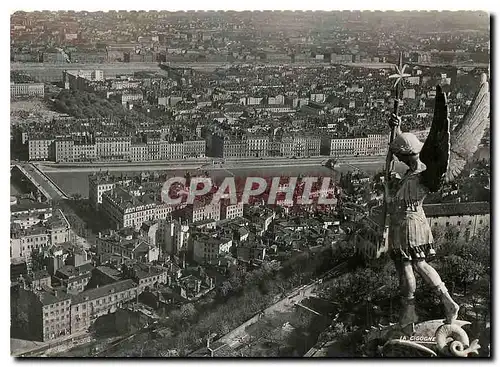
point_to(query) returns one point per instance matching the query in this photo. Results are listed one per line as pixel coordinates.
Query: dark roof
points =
(457, 209)
(70, 271)
(49, 298)
(100, 292)
(110, 272)
(145, 271)
(26, 204)
(40, 274)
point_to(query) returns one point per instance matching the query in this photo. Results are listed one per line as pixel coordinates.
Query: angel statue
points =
(431, 164)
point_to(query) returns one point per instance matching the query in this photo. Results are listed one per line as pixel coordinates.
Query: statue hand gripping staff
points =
(440, 159)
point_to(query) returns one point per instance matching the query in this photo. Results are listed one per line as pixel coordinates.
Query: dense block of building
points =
(27, 90)
(36, 226)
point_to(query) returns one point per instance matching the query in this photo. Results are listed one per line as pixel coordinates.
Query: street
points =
(206, 164)
(238, 336)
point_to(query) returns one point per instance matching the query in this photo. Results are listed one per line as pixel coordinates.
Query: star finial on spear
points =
(400, 71)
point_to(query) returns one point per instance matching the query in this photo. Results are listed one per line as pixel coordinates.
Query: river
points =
(77, 182)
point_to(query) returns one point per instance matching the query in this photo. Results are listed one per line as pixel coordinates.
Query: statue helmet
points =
(406, 144)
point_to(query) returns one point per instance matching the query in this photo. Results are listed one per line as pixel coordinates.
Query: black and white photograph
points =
(250, 184)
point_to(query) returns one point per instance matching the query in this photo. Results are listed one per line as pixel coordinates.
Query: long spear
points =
(400, 69)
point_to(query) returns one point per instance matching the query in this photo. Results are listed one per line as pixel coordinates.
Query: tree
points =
(461, 270)
(188, 311)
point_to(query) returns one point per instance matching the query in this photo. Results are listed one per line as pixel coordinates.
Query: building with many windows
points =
(257, 145)
(80, 79)
(194, 148)
(39, 148)
(43, 314)
(146, 275)
(63, 150)
(127, 246)
(100, 183)
(363, 146)
(139, 152)
(202, 209)
(35, 231)
(87, 306)
(175, 151)
(27, 90)
(128, 207)
(173, 236)
(83, 152)
(208, 246)
(230, 211)
(468, 218)
(113, 147)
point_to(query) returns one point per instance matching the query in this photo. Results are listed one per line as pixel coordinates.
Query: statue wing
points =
(467, 135)
(436, 150)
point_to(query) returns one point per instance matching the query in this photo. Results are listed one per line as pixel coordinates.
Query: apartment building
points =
(63, 150)
(127, 246)
(230, 211)
(370, 145)
(39, 148)
(208, 246)
(29, 233)
(257, 145)
(43, 314)
(194, 148)
(27, 90)
(83, 152)
(127, 208)
(173, 236)
(146, 275)
(79, 79)
(113, 147)
(202, 209)
(100, 183)
(175, 151)
(468, 218)
(139, 152)
(87, 306)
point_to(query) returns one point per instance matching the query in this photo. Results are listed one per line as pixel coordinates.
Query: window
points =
(447, 224)
(480, 221)
(458, 223)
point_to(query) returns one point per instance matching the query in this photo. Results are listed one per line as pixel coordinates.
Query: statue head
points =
(406, 147)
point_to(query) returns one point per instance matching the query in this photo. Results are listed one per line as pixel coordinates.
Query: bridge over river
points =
(40, 180)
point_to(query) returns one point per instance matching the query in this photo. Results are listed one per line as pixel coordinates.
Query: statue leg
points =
(431, 277)
(408, 285)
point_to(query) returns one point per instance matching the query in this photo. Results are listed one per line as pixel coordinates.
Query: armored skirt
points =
(410, 236)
